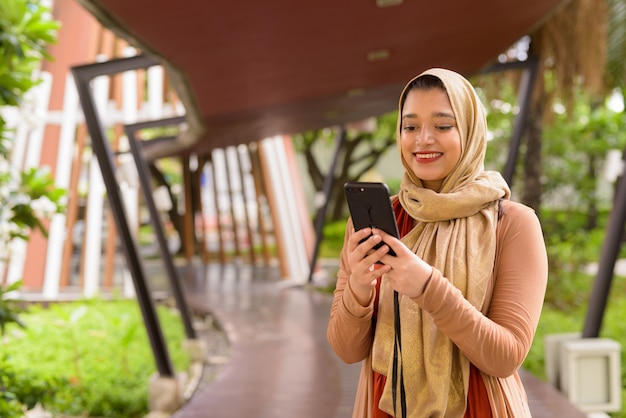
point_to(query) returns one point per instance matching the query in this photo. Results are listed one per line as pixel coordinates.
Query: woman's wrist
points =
(422, 283)
(430, 276)
(362, 294)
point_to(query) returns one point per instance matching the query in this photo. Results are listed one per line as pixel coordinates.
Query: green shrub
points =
(21, 390)
(98, 352)
(10, 309)
(334, 233)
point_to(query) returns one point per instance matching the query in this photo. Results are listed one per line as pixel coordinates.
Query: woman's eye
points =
(408, 128)
(444, 127)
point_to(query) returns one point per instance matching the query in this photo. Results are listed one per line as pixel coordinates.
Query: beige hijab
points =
(456, 233)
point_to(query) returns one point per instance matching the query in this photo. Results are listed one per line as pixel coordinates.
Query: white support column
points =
(290, 231)
(155, 92)
(234, 188)
(129, 92)
(131, 202)
(222, 201)
(95, 201)
(33, 152)
(129, 184)
(93, 227)
(249, 191)
(26, 155)
(209, 204)
(57, 230)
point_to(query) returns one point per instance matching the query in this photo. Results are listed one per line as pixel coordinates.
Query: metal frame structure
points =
(530, 69)
(83, 75)
(146, 188)
(320, 216)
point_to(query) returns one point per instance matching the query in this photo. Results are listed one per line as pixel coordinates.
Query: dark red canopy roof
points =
(253, 68)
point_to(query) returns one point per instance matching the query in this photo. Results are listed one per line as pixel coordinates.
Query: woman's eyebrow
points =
(435, 114)
(443, 115)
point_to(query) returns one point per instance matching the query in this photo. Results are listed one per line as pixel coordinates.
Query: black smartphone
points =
(370, 206)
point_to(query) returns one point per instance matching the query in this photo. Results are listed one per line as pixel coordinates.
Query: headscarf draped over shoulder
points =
(455, 231)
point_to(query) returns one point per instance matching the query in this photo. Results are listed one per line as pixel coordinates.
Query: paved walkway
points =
(281, 365)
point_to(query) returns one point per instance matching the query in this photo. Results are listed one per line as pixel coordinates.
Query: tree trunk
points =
(531, 194)
(592, 209)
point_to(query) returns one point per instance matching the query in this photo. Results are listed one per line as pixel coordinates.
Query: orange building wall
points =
(77, 44)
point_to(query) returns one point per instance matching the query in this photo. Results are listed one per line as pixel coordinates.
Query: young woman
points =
(442, 327)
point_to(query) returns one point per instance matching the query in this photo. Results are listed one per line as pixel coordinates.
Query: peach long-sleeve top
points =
(496, 339)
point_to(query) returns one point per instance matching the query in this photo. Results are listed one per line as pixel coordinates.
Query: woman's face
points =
(430, 139)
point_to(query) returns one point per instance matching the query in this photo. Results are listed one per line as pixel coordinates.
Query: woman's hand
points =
(363, 259)
(408, 273)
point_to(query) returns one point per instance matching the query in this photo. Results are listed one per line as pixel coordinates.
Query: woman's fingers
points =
(395, 244)
(363, 258)
(357, 237)
(362, 242)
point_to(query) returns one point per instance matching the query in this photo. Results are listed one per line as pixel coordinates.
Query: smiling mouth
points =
(428, 156)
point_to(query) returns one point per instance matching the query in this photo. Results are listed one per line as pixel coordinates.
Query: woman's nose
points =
(424, 136)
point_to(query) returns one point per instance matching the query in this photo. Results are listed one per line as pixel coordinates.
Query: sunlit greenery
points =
(93, 357)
